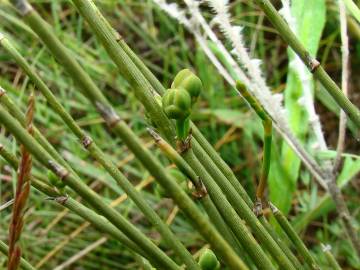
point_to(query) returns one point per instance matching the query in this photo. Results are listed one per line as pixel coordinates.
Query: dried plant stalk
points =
(21, 195)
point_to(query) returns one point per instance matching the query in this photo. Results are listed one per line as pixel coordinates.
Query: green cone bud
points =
(188, 80)
(176, 103)
(208, 260)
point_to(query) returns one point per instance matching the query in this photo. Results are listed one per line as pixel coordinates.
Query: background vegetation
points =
(52, 236)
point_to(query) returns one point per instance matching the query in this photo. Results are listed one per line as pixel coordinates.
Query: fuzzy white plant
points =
(256, 84)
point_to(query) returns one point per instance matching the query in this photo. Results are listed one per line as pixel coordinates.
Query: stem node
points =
(110, 116)
(61, 172)
(184, 145)
(200, 190)
(61, 200)
(86, 141)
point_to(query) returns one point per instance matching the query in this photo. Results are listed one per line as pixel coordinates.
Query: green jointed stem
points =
(109, 41)
(109, 38)
(155, 83)
(89, 215)
(350, 109)
(185, 203)
(267, 124)
(109, 166)
(200, 190)
(199, 140)
(294, 237)
(314, 66)
(23, 263)
(202, 147)
(235, 223)
(73, 181)
(130, 71)
(216, 159)
(222, 165)
(120, 128)
(146, 96)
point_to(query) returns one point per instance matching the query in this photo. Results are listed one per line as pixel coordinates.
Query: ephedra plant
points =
(234, 230)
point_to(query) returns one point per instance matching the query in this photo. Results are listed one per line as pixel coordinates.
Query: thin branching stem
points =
(120, 128)
(100, 156)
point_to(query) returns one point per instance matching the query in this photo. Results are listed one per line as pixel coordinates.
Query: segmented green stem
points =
(231, 217)
(24, 264)
(120, 128)
(313, 65)
(350, 109)
(295, 239)
(110, 41)
(215, 161)
(76, 207)
(202, 147)
(100, 156)
(200, 190)
(73, 181)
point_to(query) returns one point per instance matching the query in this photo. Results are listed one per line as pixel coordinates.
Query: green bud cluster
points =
(190, 82)
(208, 260)
(178, 101)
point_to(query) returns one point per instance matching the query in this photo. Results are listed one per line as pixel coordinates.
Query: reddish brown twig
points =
(21, 195)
